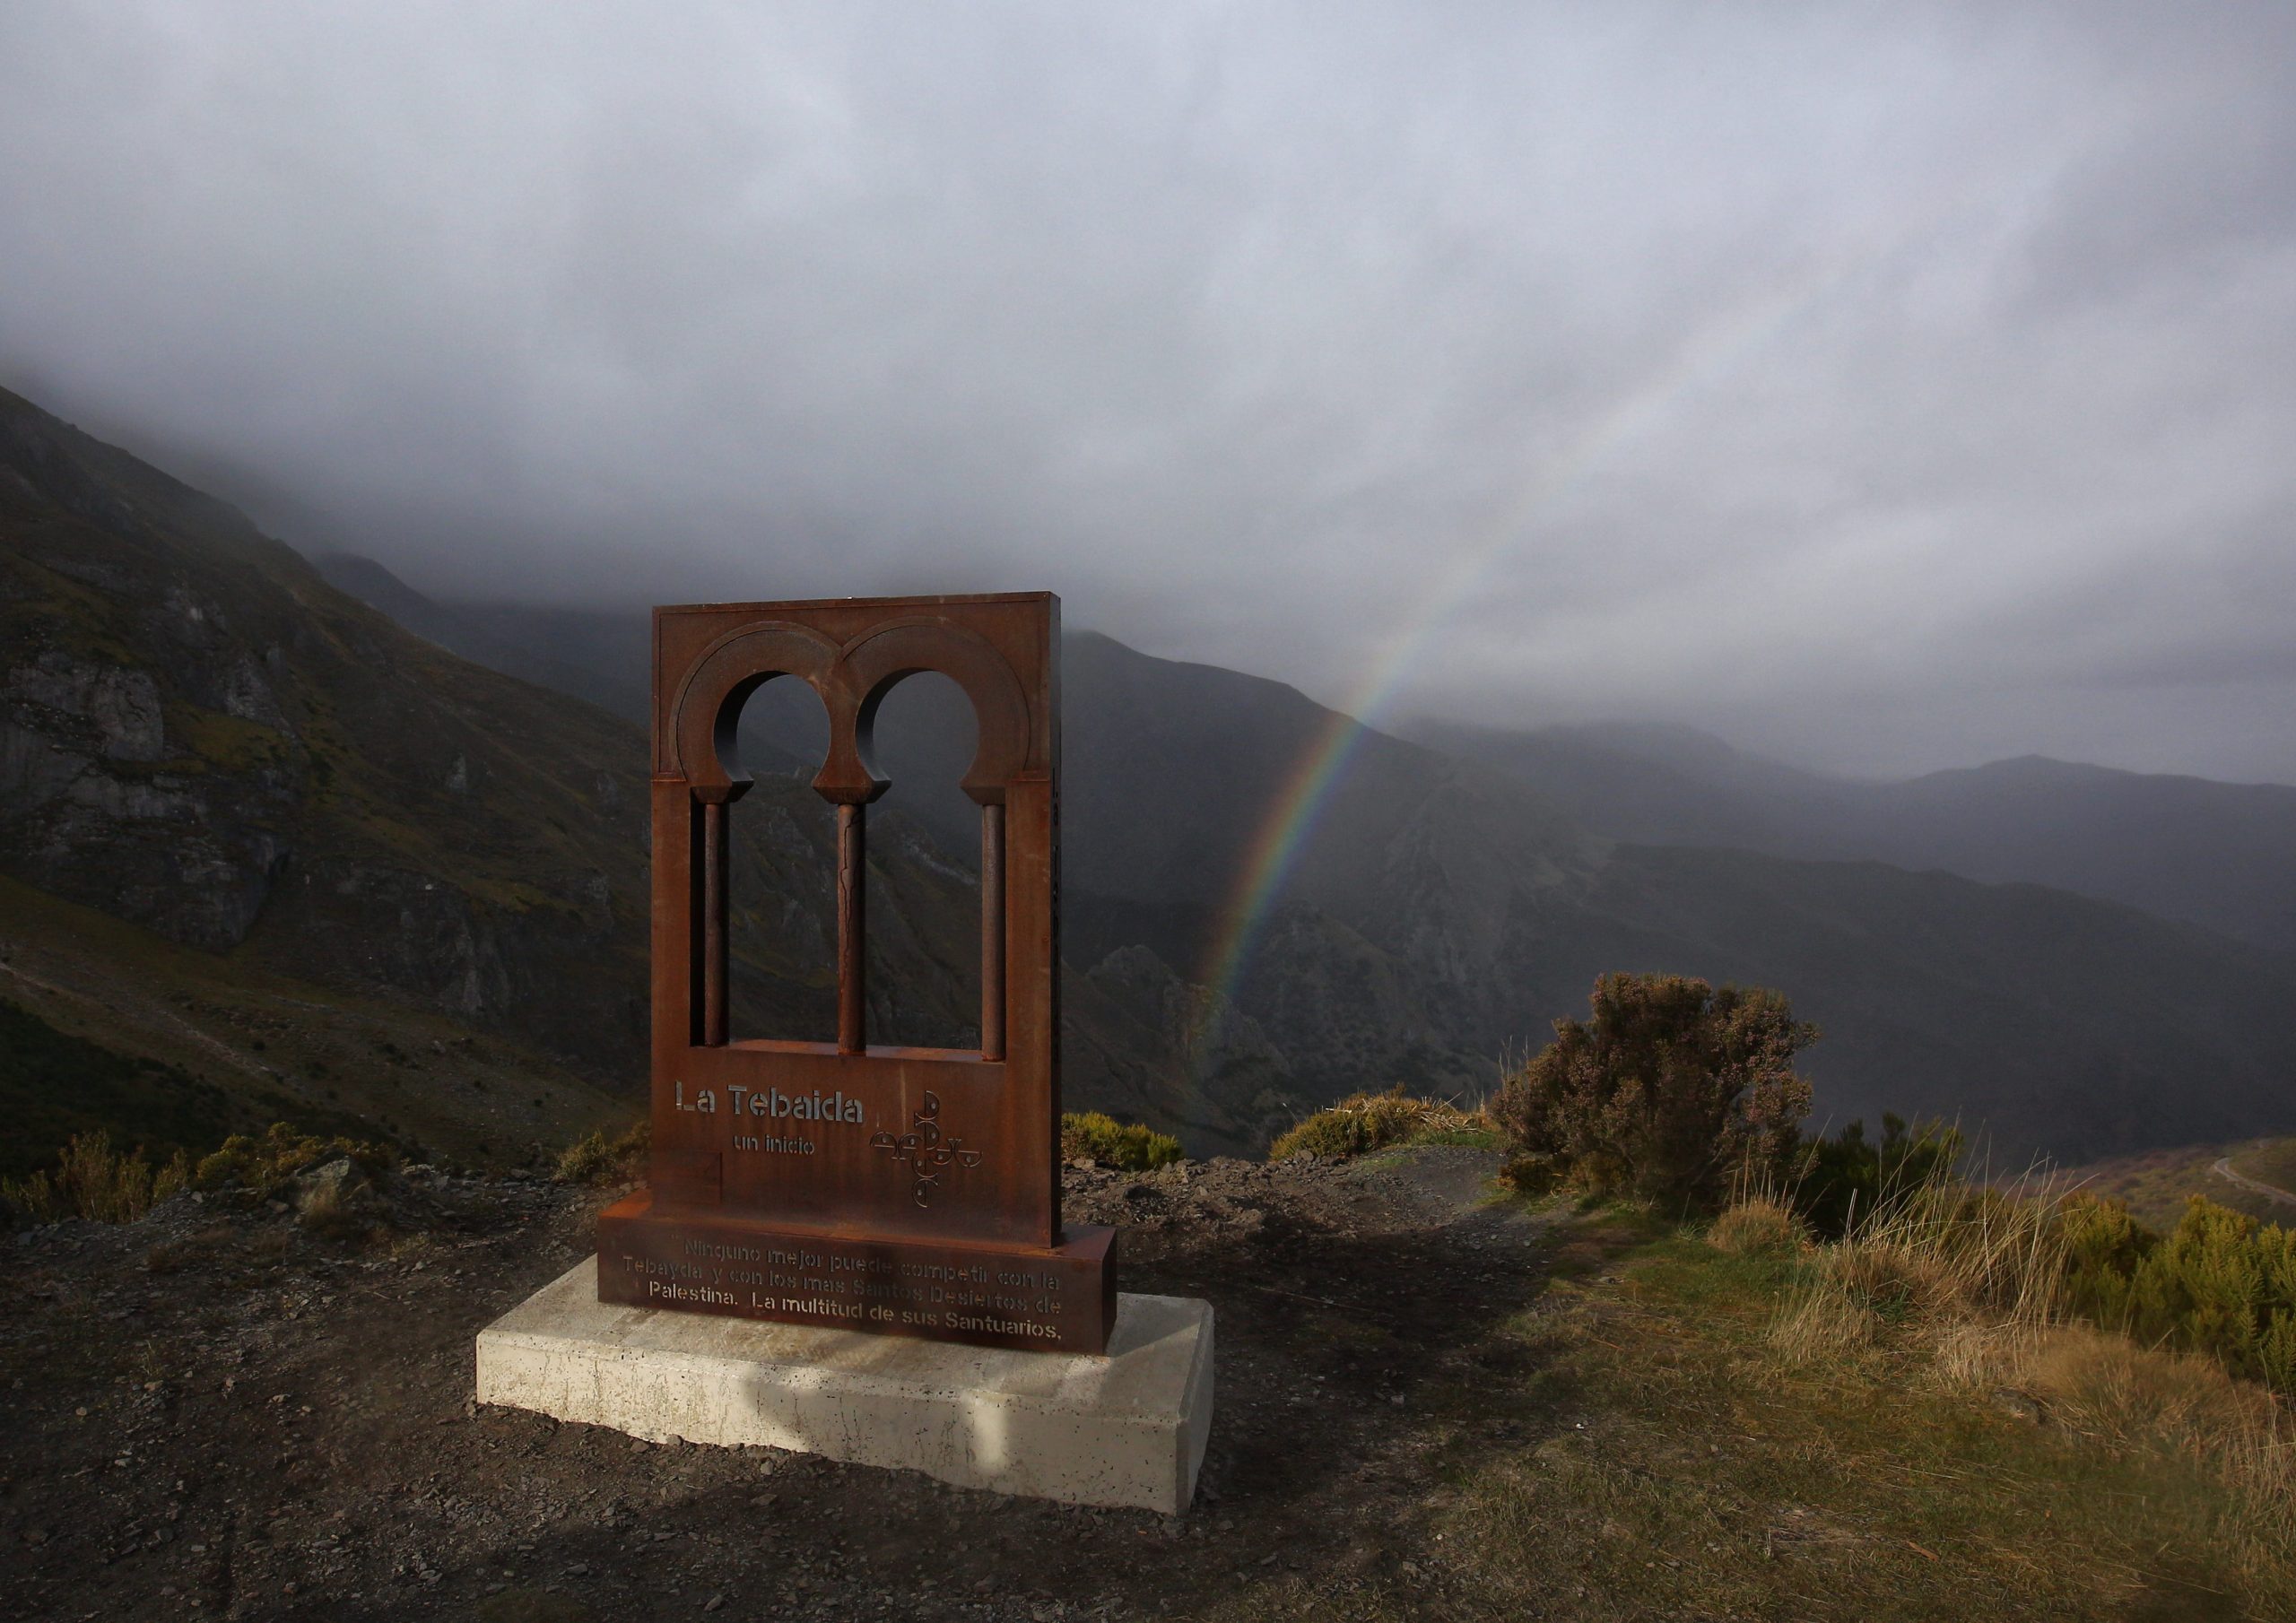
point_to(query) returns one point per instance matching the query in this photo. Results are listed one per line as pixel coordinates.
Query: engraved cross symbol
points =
(925, 1149)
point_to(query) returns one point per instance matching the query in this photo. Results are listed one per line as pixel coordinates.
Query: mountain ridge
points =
(1442, 910)
(2219, 855)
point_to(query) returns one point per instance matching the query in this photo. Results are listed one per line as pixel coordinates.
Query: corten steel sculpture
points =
(908, 1190)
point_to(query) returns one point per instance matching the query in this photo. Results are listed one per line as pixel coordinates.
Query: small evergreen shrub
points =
(1127, 1146)
(599, 1162)
(2220, 1282)
(266, 1164)
(1364, 1122)
(93, 1181)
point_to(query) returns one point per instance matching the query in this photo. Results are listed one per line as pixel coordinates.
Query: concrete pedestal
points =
(1125, 1429)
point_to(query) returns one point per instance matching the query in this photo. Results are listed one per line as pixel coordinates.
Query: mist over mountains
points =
(296, 800)
(1456, 893)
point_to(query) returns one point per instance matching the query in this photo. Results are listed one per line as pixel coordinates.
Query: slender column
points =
(713, 923)
(992, 932)
(852, 876)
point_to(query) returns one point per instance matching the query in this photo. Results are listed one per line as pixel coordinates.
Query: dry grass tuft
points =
(92, 1180)
(2107, 1387)
(1759, 1227)
(1127, 1146)
(1363, 1123)
(1818, 1323)
(335, 1213)
(599, 1162)
(1977, 1283)
(1901, 1282)
(1936, 1258)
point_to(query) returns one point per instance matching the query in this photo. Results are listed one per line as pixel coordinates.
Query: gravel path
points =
(213, 1414)
(2270, 1192)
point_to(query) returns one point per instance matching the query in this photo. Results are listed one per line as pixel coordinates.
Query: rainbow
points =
(1707, 355)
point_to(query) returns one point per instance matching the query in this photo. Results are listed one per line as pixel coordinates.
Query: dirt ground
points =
(214, 1413)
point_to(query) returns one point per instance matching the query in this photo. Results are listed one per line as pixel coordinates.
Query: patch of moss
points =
(232, 743)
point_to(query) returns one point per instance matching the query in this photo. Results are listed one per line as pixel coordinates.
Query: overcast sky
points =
(1882, 388)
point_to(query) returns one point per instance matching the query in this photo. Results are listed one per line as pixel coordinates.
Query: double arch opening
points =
(852, 681)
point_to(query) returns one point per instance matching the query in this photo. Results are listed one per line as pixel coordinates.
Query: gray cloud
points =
(1882, 386)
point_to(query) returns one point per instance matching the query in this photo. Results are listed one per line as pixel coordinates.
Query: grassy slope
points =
(53, 1084)
(111, 1027)
(1672, 1464)
(438, 818)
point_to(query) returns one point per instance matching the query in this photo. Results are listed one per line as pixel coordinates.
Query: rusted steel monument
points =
(906, 1191)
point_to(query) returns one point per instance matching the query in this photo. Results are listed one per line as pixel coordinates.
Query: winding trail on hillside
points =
(2270, 1192)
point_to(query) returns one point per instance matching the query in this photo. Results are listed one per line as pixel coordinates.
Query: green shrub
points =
(2220, 1283)
(93, 1181)
(1671, 1090)
(599, 1162)
(1364, 1122)
(266, 1164)
(1127, 1145)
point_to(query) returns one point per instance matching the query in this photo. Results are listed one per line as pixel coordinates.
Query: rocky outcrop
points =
(101, 802)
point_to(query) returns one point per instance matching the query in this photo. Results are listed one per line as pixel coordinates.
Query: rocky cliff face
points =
(203, 738)
(153, 782)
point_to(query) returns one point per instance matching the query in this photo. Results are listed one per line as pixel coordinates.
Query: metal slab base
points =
(1125, 1429)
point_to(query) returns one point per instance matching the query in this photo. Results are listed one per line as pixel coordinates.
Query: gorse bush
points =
(598, 1161)
(2220, 1283)
(265, 1163)
(1671, 1091)
(1126, 1145)
(93, 1181)
(1364, 1122)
